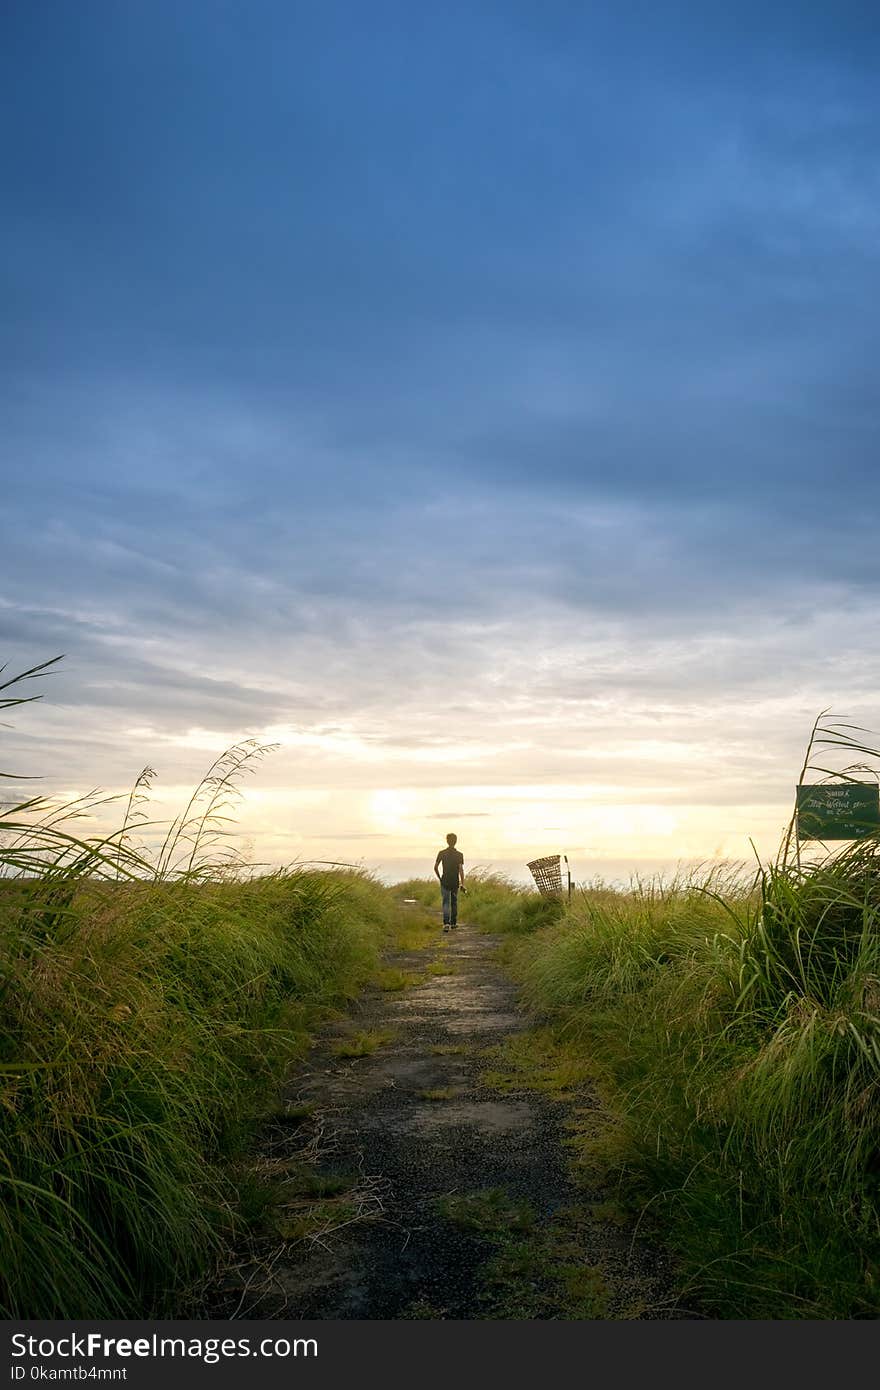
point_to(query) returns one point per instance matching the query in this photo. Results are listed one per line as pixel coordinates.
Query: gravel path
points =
(415, 1139)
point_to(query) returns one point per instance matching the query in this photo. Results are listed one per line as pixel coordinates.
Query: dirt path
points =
(412, 1188)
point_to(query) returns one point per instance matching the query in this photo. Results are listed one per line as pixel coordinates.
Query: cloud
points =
(520, 456)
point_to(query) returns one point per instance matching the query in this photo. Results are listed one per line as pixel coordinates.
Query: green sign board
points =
(838, 810)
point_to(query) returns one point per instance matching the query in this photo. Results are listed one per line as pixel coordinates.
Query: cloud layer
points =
(480, 402)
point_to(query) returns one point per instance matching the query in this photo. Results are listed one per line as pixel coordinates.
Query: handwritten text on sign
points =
(838, 811)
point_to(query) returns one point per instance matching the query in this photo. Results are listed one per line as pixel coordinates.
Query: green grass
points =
(391, 980)
(362, 1044)
(151, 1000)
(305, 1181)
(319, 1219)
(538, 1060)
(492, 902)
(490, 1211)
(139, 1043)
(441, 968)
(535, 1268)
(151, 1003)
(425, 891)
(417, 924)
(545, 1272)
(729, 1029)
(733, 1032)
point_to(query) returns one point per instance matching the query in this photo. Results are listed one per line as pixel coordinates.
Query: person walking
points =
(449, 868)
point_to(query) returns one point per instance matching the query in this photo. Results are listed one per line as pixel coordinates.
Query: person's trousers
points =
(450, 906)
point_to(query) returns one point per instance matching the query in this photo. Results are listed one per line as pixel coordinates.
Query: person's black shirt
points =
(451, 861)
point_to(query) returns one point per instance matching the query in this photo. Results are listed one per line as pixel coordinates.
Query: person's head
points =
(450, 840)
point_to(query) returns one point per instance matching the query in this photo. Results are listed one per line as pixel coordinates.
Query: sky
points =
(477, 400)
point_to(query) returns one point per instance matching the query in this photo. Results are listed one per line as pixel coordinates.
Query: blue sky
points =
(479, 399)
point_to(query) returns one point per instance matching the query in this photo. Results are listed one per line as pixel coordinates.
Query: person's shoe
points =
(446, 926)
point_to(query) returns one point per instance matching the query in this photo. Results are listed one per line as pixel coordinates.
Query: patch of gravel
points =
(396, 1256)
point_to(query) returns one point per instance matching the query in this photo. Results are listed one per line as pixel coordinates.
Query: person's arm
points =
(436, 862)
(461, 872)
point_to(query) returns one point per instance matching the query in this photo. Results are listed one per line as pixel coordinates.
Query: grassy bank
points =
(733, 1030)
(143, 1030)
(151, 1000)
(491, 902)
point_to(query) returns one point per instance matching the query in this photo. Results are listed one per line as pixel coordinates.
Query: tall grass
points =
(734, 1028)
(148, 1006)
(492, 902)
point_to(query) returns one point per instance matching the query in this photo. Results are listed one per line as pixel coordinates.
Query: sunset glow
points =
(512, 467)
